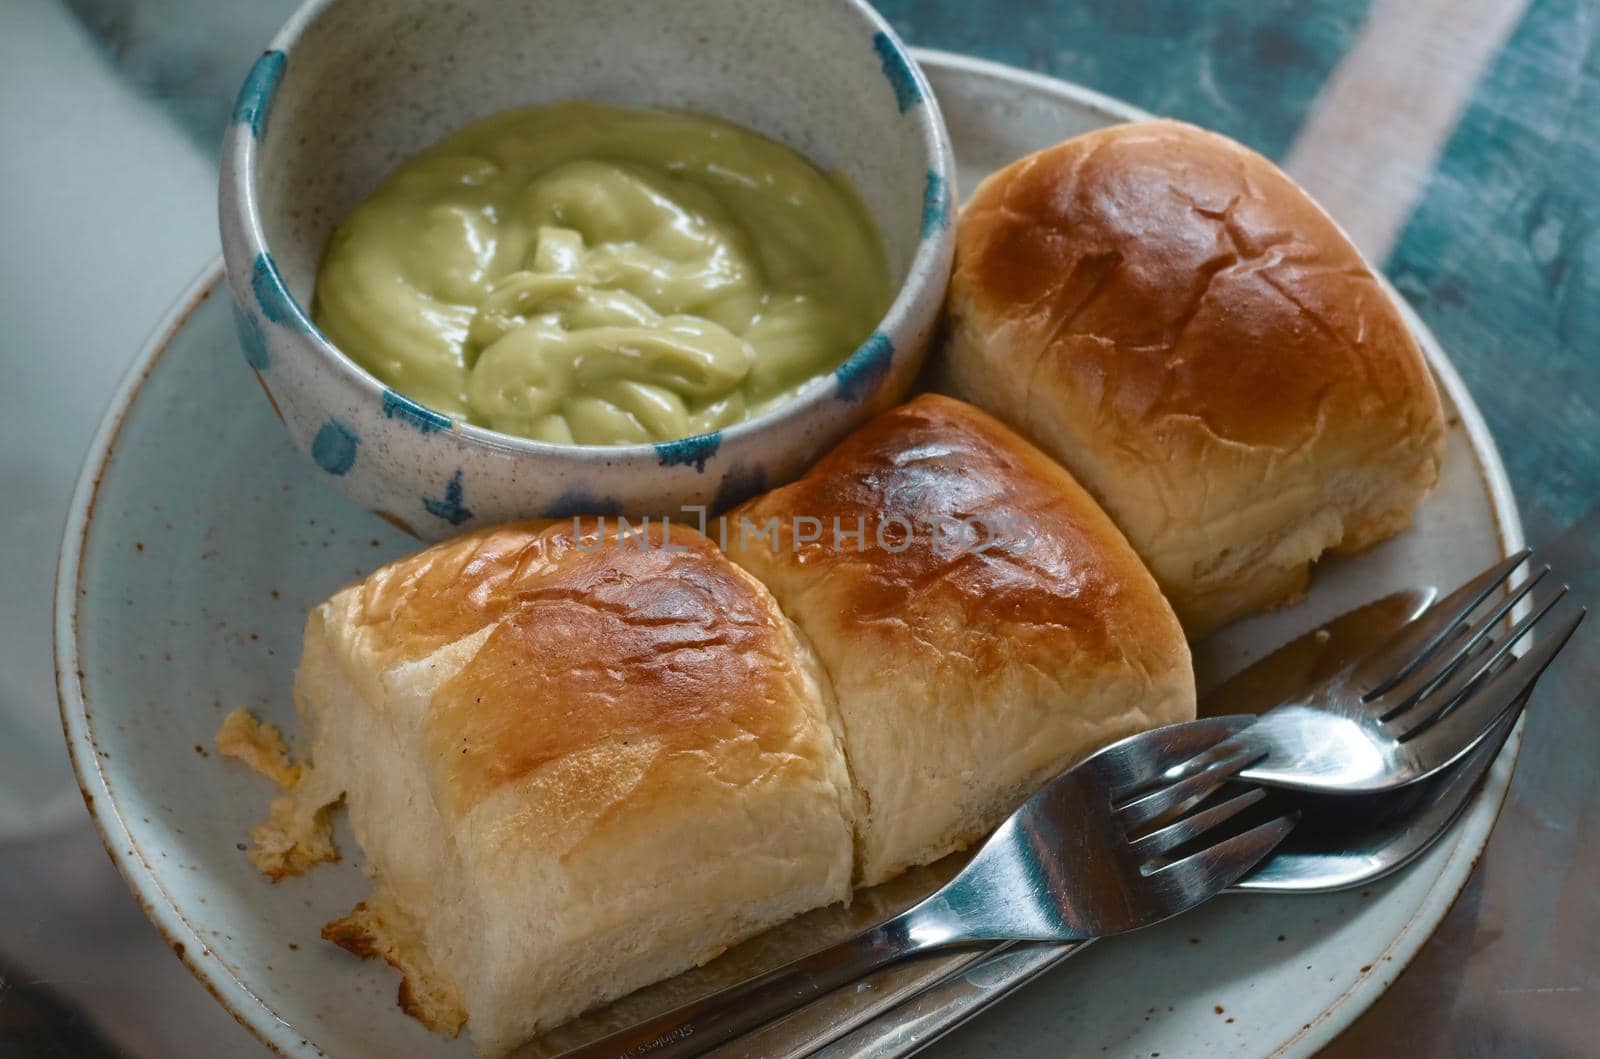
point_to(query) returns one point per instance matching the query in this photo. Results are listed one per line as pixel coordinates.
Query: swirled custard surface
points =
(602, 275)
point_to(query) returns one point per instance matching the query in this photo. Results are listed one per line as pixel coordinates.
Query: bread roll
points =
(968, 670)
(575, 766)
(1174, 319)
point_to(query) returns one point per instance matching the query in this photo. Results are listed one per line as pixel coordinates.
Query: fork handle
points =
(703, 1024)
(899, 1029)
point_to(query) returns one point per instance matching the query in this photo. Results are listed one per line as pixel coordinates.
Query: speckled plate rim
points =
(185, 940)
(1471, 831)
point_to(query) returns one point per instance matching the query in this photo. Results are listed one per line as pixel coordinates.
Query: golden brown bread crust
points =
(964, 675)
(594, 642)
(1065, 571)
(1177, 321)
(674, 646)
(466, 582)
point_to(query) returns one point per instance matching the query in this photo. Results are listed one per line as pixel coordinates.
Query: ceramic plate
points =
(198, 540)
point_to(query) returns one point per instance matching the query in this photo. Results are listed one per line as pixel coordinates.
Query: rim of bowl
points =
(928, 267)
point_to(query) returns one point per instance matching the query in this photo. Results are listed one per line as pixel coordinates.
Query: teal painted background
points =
(1502, 258)
(1247, 69)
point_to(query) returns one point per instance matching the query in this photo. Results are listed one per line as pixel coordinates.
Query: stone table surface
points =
(1457, 140)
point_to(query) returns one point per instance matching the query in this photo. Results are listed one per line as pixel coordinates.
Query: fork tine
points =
(1441, 664)
(1191, 827)
(1221, 865)
(1140, 763)
(1462, 679)
(1223, 751)
(1413, 645)
(1464, 727)
(1153, 806)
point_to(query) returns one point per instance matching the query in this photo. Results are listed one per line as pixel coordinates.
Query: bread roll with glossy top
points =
(575, 766)
(968, 670)
(1173, 318)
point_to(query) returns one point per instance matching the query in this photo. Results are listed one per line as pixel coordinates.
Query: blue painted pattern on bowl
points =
(335, 104)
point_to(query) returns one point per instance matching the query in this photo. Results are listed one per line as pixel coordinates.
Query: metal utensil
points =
(1417, 703)
(1282, 675)
(1078, 860)
(1338, 843)
(1292, 672)
(1289, 672)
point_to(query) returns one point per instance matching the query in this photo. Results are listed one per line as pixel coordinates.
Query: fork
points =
(1417, 703)
(1340, 841)
(1338, 844)
(1102, 849)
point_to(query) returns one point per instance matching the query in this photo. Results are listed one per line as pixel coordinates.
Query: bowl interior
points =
(368, 83)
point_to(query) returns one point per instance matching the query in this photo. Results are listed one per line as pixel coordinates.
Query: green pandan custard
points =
(603, 275)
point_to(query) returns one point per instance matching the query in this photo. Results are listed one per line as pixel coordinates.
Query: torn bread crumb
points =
(296, 834)
(259, 745)
(298, 831)
(377, 927)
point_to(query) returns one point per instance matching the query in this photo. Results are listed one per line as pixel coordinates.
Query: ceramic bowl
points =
(350, 88)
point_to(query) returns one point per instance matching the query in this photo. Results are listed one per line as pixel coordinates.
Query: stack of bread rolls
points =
(580, 757)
